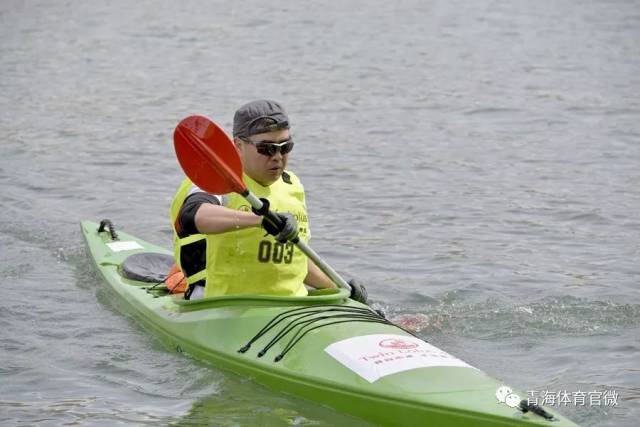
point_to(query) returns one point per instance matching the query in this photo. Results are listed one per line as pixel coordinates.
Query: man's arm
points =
(316, 278)
(203, 213)
(213, 219)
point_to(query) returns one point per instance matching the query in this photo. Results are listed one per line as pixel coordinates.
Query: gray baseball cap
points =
(247, 120)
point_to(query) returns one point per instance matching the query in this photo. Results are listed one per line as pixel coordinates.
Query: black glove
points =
(286, 231)
(264, 209)
(358, 291)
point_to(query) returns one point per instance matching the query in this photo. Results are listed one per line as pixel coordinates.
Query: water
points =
(477, 164)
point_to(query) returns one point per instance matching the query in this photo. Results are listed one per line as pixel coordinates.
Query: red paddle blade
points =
(208, 156)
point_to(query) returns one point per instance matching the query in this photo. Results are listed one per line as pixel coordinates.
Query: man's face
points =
(263, 169)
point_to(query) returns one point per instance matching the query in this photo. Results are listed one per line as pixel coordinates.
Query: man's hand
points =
(288, 228)
(286, 231)
(358, 291)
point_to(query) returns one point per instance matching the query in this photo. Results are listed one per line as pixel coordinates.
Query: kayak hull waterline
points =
(324, 348)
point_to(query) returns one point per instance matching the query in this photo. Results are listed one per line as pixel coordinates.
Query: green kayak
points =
(324, 347)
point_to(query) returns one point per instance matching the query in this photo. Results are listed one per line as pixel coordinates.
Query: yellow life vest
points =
(247, 261)
(178, 242)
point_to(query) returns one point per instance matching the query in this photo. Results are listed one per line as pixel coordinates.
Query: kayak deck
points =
(323, 347)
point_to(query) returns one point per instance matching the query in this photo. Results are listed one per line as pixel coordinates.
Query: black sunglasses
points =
(269, 148)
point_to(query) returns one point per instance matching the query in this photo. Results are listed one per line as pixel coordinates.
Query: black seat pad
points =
(147, 267)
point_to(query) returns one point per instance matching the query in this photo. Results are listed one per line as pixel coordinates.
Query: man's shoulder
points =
(196, 193)
(289, 177)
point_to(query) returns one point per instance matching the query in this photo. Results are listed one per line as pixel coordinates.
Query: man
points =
(222, 246)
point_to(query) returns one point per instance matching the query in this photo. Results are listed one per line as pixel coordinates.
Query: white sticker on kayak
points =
(375, 356)
(124, 246)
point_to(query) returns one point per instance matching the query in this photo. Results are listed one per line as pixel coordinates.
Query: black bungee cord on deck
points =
(294, 312)
(293, 341)
(304, 320)
(303, 323)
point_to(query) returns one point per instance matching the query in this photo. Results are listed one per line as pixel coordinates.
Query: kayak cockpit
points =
(320, 296)
(150, 268)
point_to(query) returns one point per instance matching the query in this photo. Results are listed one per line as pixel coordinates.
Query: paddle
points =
(210, 159)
